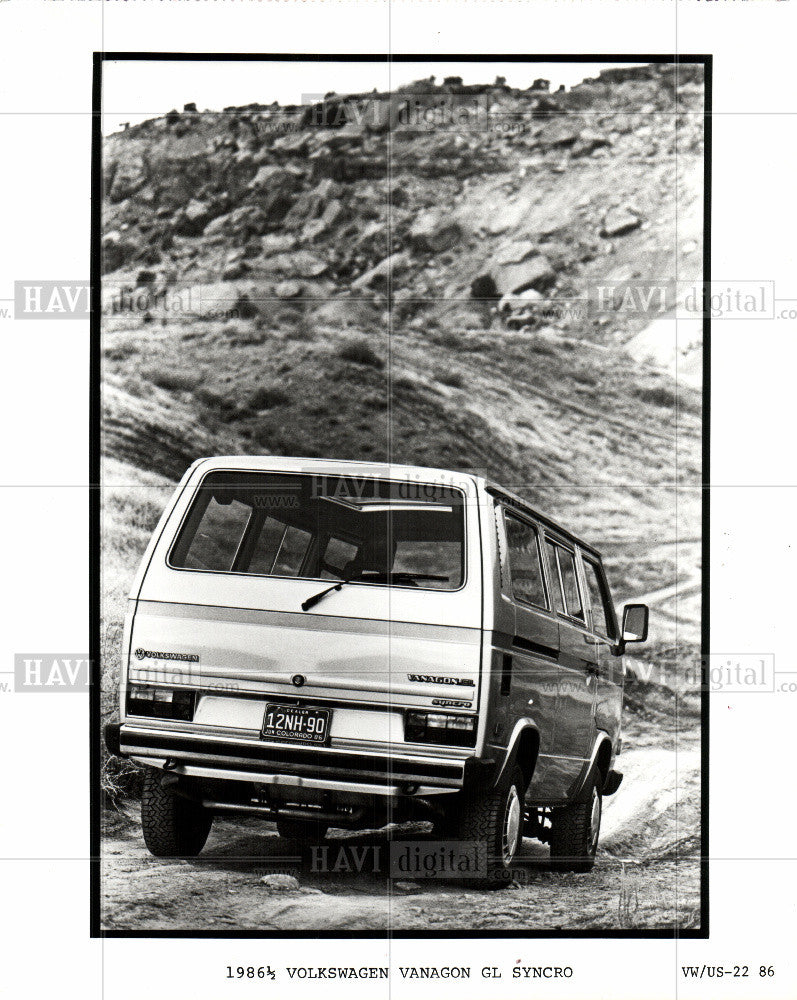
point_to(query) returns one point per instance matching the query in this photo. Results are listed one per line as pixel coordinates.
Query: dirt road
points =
(647, 874)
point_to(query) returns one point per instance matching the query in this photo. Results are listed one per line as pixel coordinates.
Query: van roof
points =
(387, 469)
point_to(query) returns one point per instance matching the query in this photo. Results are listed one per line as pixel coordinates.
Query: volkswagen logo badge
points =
(140, 653)
(297, 680)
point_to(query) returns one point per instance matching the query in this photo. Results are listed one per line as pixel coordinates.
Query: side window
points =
(569, 601)
(217, 537)
(524, 561)
(599, 600)
(553, 566)
(337, 554)
(291, 552)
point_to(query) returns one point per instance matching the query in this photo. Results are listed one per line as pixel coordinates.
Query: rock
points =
(536, 272)
(619, 221)
(484, 287)
(277, 243)
(245, 222)
(193, 218)
(130, 175)
(272, 176)
(277, 882)
(433, 232)
(505, 216)
(588, 142)
(519, 299)
(116, 251)
(406, 886)
(302, 264)
(515, 252)
(559, 135)
(233, 271)
(293, 144)
(395, 262)
(288, 290)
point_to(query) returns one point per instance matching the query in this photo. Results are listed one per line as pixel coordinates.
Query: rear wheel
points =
(575, 830)
(496, 822)
(173, 827)
(302, 831)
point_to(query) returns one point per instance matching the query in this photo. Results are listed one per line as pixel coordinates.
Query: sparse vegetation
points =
(171, 380)
(360, 352)
(267, 397)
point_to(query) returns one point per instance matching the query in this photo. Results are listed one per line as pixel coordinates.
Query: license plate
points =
(295, 724)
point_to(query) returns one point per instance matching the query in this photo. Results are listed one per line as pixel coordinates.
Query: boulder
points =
(301, 264)
(288, 290)
(272, 176)
(245, 222)
(116, 251)
(536, 272)
(619, 221)
(433, 232)
(194, 218)
(277, 882)
(273, 243)
(484, 287)
(394, 263)
(130, 175)
(235, 270)
(514, 253)
(588, 141)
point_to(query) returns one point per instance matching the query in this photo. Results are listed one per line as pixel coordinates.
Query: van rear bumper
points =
(355, 770)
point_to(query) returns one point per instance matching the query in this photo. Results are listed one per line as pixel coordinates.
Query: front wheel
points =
(173, 827)
(575, 830)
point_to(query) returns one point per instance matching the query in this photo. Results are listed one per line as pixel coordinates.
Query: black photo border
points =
(95, 734)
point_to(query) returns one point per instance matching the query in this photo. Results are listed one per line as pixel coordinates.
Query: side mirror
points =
(635, 623)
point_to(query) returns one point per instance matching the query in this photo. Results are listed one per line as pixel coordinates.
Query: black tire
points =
(302, 831)
(173, 826)
(575, 830)
(496, 821)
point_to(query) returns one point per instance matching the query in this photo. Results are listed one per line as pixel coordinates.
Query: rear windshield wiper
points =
(312, 601)
(390, 578)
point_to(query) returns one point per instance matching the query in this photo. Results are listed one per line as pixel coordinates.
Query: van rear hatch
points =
(345, 592)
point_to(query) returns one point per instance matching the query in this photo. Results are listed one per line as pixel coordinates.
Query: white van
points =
(339, 644)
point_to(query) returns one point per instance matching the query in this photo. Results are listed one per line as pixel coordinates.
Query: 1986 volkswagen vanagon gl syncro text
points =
(338, 644)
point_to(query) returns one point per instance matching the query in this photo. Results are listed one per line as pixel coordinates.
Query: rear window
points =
(325, 527)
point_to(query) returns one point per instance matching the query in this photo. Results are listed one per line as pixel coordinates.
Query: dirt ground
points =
(646, 876)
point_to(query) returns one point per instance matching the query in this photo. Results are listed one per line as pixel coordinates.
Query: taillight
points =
(160, 703)
(439, 727)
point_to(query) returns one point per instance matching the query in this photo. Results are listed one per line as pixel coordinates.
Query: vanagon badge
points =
(431, 679)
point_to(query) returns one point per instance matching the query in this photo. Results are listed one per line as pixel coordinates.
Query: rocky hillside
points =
(332, 281)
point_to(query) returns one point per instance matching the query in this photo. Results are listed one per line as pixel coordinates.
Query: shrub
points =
(658, 395)
(267, 397)
(361, 353)
(172, 381)
(244, 307)
(454, 379)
